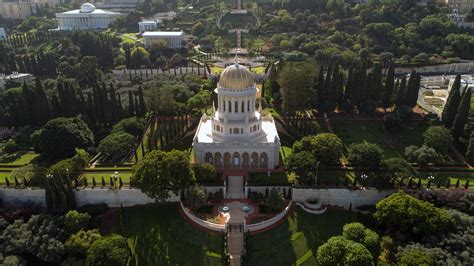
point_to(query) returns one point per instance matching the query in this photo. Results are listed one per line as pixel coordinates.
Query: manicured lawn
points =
(297, 239)
(19, 158)
(159, 235)
(275, 179)
(106, 174)
(352, 131)
(443, 179)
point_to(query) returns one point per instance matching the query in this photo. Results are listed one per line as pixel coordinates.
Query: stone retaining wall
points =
(113, 198)
(341, 197)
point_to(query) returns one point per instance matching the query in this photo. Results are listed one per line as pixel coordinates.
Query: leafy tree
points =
(199, 101)
(14, 260)
(132, 125)
(139, 56)
(397, 169)
(424, 155)
(462, 115)
(110, 250)
(198, 29)
(452, 103)
(11, 146)
(325, 147)
(365, 155)
(304, 165)
(160, 172)
(75, 221)
(357, 232)
(61, 136)
(205, 172)
(23, 238)
(195, 197)
(404, 113)
(403, 213)
(438, 138)
(275, 200)
(79, 243)
(296, 81)
(339, 249)
(392, 123)
(116, 145)
(415, 256)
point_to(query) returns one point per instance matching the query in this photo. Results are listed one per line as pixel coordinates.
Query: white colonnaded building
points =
(237, 135)
(174, 39)
(86, 18)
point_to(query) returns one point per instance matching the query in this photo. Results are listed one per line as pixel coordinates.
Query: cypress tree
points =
(376, 88)
(94, 183)
(470, 149)
(349, 88)
(319, 90)
(457, 183)
(452, 103)
(41, 104)
(466, 185)
(115, 115)
(120, 182)
(413, 88)
(131, 104)
(141, 102)
(389, 85)
(7, 182)
(401, 91)
(462, 116)
(137, 107)
(103, 182)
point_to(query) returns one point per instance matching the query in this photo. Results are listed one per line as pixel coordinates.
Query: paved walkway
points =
(235, 240)
(236, 187)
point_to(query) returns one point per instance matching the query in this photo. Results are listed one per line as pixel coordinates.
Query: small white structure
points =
(237, 135)
(466, 80)
(16, 77)
(86, 18)
(173, 38)
(147, 25)
(166, 15)
(3, 34)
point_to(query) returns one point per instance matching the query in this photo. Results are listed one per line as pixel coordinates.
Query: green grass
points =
(99, 174)
(275, 179)
(353, 131)
(19, 158)
(159, 235)
(296, 240)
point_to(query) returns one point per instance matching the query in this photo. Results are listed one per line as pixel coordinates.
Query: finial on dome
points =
(236, 58)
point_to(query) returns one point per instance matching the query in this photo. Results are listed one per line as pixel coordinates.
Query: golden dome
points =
(236, 76)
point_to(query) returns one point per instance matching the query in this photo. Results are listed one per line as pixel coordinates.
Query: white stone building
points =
(147, 25)
(3, 34)
(173, 38)
(237, 135)
(86, 18)
(15, 77)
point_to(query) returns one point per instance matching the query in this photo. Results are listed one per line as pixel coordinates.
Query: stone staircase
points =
(235, 242)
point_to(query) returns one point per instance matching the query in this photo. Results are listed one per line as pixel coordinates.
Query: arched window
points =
(223, 104)
(241, 131)
(248, 106)
(236, 104)
(254, 128)
(236, 130)
(230, 107)
(242, 107)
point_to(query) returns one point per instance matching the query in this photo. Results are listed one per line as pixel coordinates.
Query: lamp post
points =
(363, 177)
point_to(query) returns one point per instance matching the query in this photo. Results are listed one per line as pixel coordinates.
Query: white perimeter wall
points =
(341, 197)
(130, 197)
(113, 198)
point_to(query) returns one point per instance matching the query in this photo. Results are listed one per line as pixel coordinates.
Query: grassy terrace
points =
(159, 235)
(351, 131)
(19, 158)
(296, 240)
